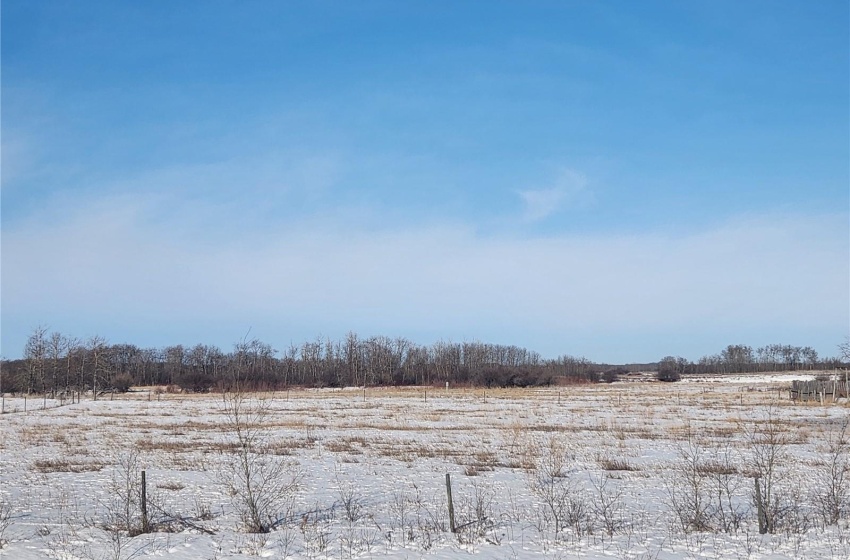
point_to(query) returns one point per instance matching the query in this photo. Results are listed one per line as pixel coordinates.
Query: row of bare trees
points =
(740, 358)
(55, 363)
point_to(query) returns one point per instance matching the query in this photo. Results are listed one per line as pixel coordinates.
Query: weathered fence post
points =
(145, 525)
(762, 515)
(25, 403)
(44, 402)
(451, 505)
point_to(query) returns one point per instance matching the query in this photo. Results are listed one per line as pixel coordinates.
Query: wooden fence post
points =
(451, 505)
(145, 525)
(762, 515)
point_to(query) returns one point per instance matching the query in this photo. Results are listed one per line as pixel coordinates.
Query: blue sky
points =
(619, 180)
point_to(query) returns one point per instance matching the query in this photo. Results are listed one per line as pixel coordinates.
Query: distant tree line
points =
(740, 358)
(55, 363)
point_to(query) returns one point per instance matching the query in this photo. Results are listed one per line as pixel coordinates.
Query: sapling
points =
(261, 483)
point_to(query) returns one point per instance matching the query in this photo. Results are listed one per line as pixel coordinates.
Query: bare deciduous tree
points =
(5, 520)
(35, 354)
(608, 505)
(844, 349)
(833, 491)
(686, 488)
(261, 483)
(97, 347)
(702, 488)
(560, 497)
(768, 446)
(724, 485)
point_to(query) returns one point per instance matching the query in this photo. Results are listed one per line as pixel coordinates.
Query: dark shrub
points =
(195, 382)
(612, 375)
(668, 375)
(121, 383)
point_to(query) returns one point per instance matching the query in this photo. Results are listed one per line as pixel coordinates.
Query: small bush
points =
(612, 375)
(121, 383)
(195, 382)
(5, 520)
(668, 375)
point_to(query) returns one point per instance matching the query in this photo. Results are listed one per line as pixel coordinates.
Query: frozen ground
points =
(619, 452)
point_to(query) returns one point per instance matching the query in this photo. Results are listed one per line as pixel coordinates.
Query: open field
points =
(628, 470)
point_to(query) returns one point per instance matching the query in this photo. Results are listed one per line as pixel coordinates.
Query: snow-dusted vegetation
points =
(626, 470)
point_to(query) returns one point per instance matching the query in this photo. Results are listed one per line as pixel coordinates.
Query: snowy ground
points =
(386, 457)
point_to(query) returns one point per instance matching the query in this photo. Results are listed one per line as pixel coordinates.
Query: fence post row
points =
(818, 390)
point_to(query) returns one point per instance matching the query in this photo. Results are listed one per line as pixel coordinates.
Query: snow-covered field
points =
(570, 472)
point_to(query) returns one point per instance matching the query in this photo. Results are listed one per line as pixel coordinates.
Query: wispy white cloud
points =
(17, 158)
(117, 261)
(570, 188)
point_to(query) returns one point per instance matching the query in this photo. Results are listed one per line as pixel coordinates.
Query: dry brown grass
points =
(288, 446)
(36, 435)
(150, 444)
(616, 464)
(717, 468)
(65, 465)
(342, 446)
